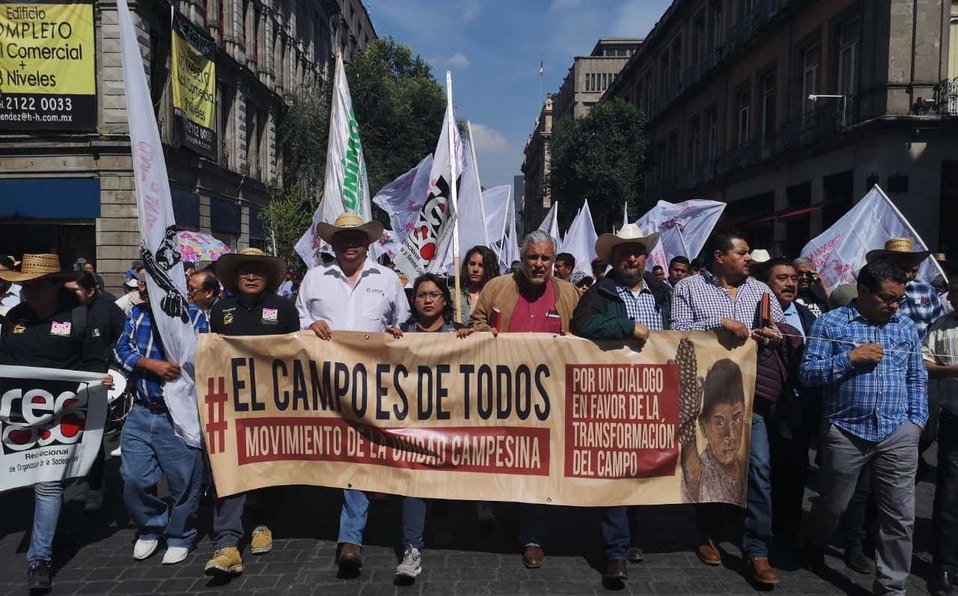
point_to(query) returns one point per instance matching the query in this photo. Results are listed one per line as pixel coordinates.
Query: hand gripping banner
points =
(532, 418)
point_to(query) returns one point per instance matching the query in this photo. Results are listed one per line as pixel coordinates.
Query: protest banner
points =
(520, 417)
(51, 424)
(47, 66)
(193, 70)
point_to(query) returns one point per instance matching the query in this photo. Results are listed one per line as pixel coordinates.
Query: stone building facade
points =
(790, 110)
(73, 193)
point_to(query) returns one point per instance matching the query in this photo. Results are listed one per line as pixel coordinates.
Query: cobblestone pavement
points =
(93, 554)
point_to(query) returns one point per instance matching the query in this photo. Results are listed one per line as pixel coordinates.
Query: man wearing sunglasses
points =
(867, 358)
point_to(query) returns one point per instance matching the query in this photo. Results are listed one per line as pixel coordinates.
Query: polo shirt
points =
(270, 314)
(59, 341)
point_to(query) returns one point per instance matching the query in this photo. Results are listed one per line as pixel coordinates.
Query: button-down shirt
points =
(941, 347)
(700, 302)
(793, 318)
(640, 307)
(141, 340)
(867, 400)
(376, 301)
(921, 305)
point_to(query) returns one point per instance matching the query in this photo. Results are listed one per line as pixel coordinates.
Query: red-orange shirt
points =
(538, 316)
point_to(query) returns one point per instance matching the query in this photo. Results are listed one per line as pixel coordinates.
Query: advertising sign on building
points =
(194, 87)
(47, 66)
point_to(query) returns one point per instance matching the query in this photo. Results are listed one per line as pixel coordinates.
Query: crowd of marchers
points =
(842, 380)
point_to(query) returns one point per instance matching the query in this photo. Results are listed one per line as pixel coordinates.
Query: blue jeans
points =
(151, 450)
(352, 519)
(413, 522)
(533, 524)
(46, 512)
(616, 533)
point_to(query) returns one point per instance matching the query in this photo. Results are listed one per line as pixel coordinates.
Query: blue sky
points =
(493, 48)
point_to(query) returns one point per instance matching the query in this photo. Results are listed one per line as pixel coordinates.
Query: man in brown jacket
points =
(528, 301)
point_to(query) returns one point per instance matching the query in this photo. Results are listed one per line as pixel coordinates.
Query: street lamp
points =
(815, 97)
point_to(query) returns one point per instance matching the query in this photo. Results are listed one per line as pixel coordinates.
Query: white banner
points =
(839, 252)
(580, 240)
(160, 247)
(403, 198)
(683, 228)
(346, 187)
(51, 424)
(550, 223)
(422, 244)
(510, 243)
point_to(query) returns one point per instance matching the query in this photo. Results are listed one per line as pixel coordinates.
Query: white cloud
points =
(470, 10)
(457, 61)
(489, 140)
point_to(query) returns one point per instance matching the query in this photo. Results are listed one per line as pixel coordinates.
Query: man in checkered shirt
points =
(724, 297)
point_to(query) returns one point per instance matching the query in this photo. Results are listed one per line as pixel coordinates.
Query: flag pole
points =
(454, 195)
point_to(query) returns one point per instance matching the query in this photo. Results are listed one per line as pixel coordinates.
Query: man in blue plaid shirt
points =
(867, 357)
(151, 448)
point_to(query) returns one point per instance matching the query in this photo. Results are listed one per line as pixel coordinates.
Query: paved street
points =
(93, 554)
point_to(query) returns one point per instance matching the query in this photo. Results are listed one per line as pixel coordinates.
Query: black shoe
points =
(635, 555)
(813, 558)
(616, 570)
(940, 583)
(856, 560)
(38, 577)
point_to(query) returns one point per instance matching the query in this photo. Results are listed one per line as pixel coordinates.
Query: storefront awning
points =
(49, 198)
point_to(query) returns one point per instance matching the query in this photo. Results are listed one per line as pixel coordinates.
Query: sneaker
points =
(856, 560)
(93, 502)
(226, 562)
(175, 554)
(262, 541)
(38, 577)
(144, 548)
(411, 565)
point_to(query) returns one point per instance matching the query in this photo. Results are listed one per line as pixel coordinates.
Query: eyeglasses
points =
(890, 299)
(430, 295)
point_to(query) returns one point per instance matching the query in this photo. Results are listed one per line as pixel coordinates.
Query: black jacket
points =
(601, 313)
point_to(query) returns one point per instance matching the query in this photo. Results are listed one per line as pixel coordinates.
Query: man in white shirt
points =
(352, 293)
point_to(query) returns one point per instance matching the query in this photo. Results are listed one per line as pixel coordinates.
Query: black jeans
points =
(945, 512)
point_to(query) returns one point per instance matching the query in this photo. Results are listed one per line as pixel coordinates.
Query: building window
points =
(810, 65)
(716, 32)
(695, 143)
(848, 43)
(676, 61)
(664, 72)
(744, 101)
(698, 40)
(953, 36)
(711, 123)
(768, 105)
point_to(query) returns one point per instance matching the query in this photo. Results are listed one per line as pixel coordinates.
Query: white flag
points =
(839, 252)
(510, 244)
(422, 244)
(161, 252)
(683, 228)
(580, 240)
(346, 187)
(496, 202)
(550, 223)
(403, 198)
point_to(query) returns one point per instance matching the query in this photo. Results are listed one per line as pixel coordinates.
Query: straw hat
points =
(759, 257)
(227, 268)
(350, 222)
(40, 266)
(901, 250)
(627, 234)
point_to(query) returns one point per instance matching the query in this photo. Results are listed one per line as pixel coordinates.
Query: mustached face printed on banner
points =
(40, 417)
(159, 266)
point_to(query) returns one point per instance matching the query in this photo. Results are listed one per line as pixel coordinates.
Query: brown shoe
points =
(350, 557)
(709, 554)
(533, 556)
(762, 572)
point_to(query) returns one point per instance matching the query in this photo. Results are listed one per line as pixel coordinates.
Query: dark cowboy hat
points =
(227, 268)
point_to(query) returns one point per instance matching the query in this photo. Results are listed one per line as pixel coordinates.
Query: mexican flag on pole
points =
(346, 187)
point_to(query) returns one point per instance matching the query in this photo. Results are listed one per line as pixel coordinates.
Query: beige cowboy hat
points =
(758, 257)
(40, 266)
(227, 268)
(627, 234)
(901, 250)
(350, 222)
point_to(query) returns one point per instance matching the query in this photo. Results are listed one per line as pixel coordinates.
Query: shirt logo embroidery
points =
(61, 329)
(270, 315)
(18, 329)
(228, 318)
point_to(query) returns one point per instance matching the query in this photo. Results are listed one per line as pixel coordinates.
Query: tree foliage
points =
(599, 158)
(304, 134)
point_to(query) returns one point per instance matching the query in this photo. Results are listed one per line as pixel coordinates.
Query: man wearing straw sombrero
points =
(253, 308)
(922, 304)
(48, 329)
(352, 293)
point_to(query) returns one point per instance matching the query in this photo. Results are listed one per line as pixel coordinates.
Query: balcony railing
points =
(946, 97)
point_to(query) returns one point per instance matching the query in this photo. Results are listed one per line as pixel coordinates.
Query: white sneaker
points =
(93, 502)
(411, 565)
(175, 554)
(116, 452)
(144, 548)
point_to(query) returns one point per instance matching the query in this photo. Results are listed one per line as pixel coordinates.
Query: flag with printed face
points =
(346, 187)
(166, 280)
(683, 228)
(580, 240)
(422, 244)
(839, 251)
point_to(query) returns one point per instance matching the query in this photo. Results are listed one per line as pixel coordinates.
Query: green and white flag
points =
(346, 187)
